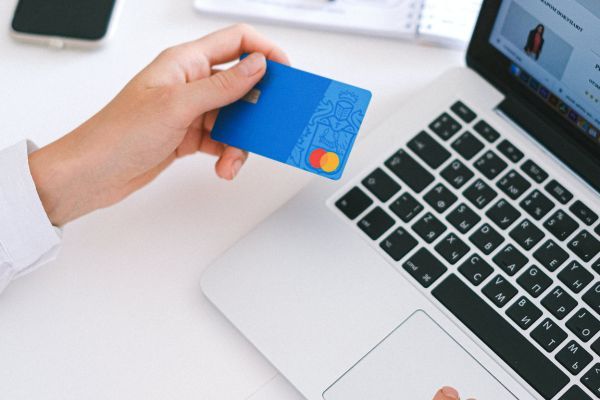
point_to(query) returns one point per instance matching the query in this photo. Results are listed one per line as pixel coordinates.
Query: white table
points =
(119, 315)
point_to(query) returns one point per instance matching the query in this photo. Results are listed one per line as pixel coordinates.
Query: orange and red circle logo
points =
(322, 159)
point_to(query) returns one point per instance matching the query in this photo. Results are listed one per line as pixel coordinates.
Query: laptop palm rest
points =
(411, 363)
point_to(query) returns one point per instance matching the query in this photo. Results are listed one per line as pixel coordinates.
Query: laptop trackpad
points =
(398, 368)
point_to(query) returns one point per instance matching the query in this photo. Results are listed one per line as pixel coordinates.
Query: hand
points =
(165, 112)
(447, 393)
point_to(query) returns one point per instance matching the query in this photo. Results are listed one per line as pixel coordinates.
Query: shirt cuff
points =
(27, 237)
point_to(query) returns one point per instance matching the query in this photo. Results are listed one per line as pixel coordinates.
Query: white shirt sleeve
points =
(27, 238)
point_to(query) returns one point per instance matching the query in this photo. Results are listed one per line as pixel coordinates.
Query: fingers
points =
(209, 121)
(230, 162)
(446, 393)
(206, 89)
(192, 140)
(207, 144)
(222, 88)
(198, 139)
(194, 60)
(229, 43)
(191, 61)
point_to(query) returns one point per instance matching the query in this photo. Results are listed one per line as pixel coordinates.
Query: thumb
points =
(227, 86)
(446, 393)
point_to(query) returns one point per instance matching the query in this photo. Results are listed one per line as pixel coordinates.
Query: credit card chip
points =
(252, 96)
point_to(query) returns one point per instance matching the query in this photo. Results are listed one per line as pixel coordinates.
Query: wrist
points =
(56, 171)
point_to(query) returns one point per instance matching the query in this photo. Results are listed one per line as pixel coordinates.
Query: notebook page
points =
(389, 18)
(448, 22)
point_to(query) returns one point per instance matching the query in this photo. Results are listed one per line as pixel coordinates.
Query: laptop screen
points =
(554, 49)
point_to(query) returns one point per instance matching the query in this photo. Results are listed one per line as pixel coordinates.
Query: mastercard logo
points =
(324, 160)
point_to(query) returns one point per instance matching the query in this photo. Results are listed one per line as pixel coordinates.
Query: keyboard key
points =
(409, 171)
(499, 291)
(510, 260)
(463, 112)
(486, 239)
(445, 126)
(537, 204)
(584, 213)
(551, 256)
(452, 248)
(406, 207)
(574, 357)
(467, 145)
(463, 218)
(548, 335)
(480, 194)
(440, 198)
(429, 150)
(534, 171)
(524, 313)
(591, 380)
(510, 151)
(353, 203)
(534, 281)
(503, 214)
(597, 230)
(457, 174)
(424, 267)
(398, 244)
(513, 184)
(429, 227)
(475, 269)
(526, 234)
(592, 297)
(596, 346)
(559, 302)
(502, 338)
(575, 276)
(575, 393)
(585, 245)
(584, 325)
(486, 131)
(381, 185)
(559, 192)
(561, 225)
(490, 165)
(596, 265)
(376, 223)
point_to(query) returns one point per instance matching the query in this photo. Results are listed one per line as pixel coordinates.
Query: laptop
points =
(462, 246)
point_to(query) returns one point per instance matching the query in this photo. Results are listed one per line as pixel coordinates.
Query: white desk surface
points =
(119, 314)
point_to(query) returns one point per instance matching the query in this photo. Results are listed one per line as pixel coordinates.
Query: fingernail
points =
(235, 168)
(252, 64)
(450, 393)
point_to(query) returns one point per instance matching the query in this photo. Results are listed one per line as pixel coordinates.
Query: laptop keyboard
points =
(509, 252)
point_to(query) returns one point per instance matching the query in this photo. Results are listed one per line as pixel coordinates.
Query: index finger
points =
(230, 43)
(446, 393)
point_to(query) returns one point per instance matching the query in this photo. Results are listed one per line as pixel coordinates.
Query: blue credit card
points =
(298, 118)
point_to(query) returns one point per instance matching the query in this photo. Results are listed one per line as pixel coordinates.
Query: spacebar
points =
(501, 337)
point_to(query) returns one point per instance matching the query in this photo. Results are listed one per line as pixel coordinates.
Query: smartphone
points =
(60, 23)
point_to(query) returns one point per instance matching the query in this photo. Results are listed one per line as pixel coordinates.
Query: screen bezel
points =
(494, 66)
(22, 24)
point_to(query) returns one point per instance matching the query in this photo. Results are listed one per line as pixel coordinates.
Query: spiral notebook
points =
(443, 22)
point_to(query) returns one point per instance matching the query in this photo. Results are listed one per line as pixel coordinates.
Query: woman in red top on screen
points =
(535, 42)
